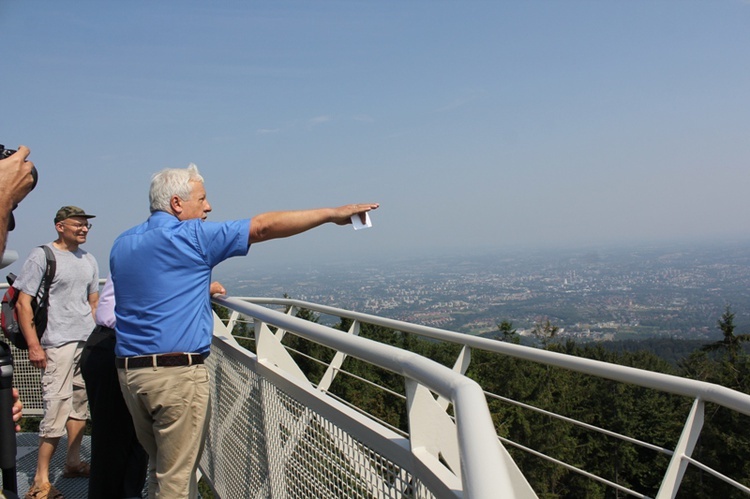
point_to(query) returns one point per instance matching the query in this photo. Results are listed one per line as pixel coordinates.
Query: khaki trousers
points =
(63, 389)
(170, 410)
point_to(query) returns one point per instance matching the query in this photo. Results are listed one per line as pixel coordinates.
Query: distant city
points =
(594, 294)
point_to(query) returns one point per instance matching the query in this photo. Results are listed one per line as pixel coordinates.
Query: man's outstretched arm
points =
(278, 224)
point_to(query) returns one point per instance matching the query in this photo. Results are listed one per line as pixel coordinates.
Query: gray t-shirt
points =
(76, 277)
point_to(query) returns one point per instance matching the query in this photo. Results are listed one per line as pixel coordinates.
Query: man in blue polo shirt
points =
(161, 270)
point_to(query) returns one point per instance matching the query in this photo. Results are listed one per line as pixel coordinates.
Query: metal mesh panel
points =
(27, 445)
(27, 379)
(262, 442)
(235, 455)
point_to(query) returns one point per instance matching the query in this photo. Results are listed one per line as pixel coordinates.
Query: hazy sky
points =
(474, 124)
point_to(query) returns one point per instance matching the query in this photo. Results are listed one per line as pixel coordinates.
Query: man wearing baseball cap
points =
(73, 296)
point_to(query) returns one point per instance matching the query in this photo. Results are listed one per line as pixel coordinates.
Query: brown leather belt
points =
(160, 360)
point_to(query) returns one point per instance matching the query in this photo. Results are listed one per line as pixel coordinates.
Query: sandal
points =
(82, 470)
(44, 491)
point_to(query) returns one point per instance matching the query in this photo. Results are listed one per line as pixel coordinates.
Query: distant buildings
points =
(659, 292)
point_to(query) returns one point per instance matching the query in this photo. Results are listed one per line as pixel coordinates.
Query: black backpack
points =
(9, 314)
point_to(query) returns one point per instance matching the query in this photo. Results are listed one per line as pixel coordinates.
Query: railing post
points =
(269, 349)
(460, 366)
(336, 362)
(685, 446)
(430, 427)
(233, 318)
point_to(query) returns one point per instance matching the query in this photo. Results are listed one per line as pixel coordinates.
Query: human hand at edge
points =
(343, 214)
(15, 176)
(216, 289)
(17, 408)
(37, 356)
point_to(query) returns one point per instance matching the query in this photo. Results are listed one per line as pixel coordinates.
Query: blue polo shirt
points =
(161, 271)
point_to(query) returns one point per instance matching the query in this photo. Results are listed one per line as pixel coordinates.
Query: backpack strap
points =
(49, 272)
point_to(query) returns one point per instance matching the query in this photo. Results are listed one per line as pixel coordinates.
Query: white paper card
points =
(357, 222)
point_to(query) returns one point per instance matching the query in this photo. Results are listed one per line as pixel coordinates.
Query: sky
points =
(475, 124)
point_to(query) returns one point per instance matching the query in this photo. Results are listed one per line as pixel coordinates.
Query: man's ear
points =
(176, 204)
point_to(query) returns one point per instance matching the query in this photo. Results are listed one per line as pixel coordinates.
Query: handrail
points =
(482, 467)
(708, 392)
(701, 392)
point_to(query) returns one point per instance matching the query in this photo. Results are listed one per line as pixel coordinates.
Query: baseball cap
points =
(70, 211)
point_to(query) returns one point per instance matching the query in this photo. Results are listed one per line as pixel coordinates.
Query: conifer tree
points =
(510, 335)
(731, 344)
(545, 332)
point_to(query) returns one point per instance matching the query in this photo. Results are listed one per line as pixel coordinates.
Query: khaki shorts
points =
(63, 389)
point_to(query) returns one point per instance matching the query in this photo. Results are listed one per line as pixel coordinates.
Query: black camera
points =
(4, 153)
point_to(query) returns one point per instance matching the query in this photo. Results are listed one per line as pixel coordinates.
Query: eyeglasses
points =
(78, 226)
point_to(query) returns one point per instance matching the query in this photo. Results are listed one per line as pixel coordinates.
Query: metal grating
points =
(265, 442)
(27, 379)
(27, 446)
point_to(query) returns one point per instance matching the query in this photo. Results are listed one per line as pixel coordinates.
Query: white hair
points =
(172, 182)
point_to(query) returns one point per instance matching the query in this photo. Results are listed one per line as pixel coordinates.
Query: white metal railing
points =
(288, 436)
(272, 434)
(680, 456)
(459, 456)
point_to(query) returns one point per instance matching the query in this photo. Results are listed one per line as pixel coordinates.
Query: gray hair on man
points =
(170, 182)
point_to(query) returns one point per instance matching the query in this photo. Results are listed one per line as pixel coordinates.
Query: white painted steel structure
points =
(459, 457)
(681, 455)
(275, 434)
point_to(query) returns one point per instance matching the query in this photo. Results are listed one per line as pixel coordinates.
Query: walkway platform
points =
(26, 455)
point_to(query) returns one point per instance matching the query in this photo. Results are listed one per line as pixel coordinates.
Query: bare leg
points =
(75, 429)
(47, 448)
